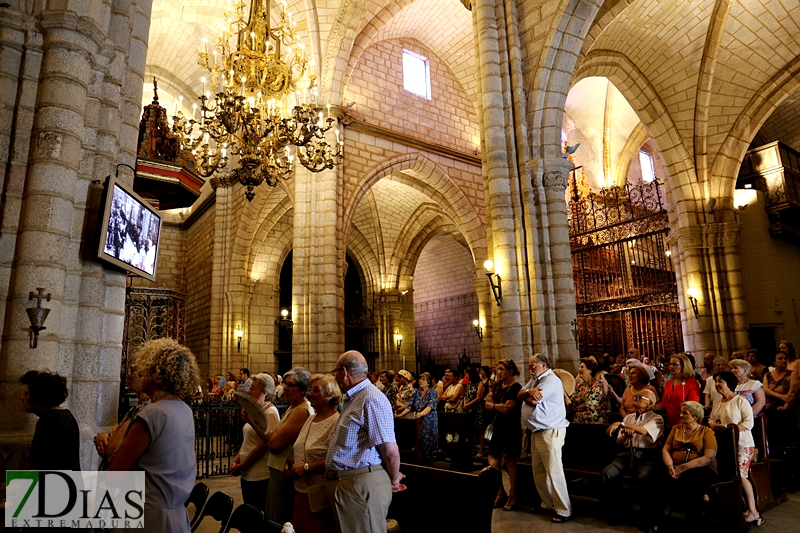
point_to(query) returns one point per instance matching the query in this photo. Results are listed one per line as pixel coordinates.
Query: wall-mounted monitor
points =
(130, 232)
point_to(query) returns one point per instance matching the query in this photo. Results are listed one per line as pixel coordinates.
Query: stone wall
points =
(769, 271)
(376, 86)
(198, 269)
(445, 302)
(170, 265)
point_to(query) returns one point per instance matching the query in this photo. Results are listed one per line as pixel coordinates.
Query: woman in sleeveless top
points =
(160, 440)
(280, 494)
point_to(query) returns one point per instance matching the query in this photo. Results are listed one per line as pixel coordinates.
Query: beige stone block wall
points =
(170, 265)
(444, 328)
(198, 269)
(376, 86)
(769, 268)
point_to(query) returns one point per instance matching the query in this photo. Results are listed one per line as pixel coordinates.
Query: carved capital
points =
(556, 179)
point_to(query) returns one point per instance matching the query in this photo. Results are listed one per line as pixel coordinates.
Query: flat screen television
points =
(130, 232)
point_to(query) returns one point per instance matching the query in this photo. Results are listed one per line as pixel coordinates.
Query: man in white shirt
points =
(638, 435)
(545, 414)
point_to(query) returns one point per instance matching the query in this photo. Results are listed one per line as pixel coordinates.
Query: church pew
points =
(728, 487)
(433, 494)
(460, 452)
(407, 432)
(760, 476)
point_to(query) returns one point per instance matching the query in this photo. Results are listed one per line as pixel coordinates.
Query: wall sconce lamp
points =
(693, 294)
(398, 339)
(238, 333)
(575, 330)
(744, 197)
(497, 289)
(286, 321)
(478, 329)
(37, 315)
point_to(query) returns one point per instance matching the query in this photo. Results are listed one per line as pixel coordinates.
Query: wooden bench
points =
(460, 452)
(433, 494)
(728, 487)
(760, 475)
(406, 433)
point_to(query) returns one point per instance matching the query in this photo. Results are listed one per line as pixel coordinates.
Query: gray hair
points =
(301, 376)
(542, 358)
(355, 363)
(694, 408)
(720, 359)
(267, 384)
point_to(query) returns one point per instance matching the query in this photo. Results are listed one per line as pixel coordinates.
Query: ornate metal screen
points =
(151, 314)
(625, 287)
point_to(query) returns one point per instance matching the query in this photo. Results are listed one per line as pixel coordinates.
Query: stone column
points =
(707, 260)
(498, 169)
(43, 245)
(556, 174)
(317, 274)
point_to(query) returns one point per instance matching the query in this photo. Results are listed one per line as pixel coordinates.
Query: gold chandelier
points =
(245, 113)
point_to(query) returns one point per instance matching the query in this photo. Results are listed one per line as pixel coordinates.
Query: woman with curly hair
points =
(160, 440)
(56, 442)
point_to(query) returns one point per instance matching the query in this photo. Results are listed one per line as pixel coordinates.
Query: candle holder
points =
(37, 315)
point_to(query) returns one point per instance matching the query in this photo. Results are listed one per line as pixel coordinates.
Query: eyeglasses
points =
(640, 397)
(335, 370)
(674, 364)
(288, 384)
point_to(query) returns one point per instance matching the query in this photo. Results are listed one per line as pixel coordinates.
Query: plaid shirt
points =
(245, 385)
(365, 422)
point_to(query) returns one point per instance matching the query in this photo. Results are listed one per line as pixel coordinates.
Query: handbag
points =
(489, 432)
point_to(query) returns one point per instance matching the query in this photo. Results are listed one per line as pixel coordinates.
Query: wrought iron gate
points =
(149, 314)
(625, 288)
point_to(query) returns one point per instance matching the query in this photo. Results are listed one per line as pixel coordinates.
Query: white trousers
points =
(548, 471)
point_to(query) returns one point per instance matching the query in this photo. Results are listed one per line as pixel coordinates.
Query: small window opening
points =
(416, 74)
(648, 169)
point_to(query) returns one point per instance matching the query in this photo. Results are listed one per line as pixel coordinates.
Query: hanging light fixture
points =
(245, 114)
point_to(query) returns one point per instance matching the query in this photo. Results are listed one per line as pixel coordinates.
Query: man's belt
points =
(335, 475)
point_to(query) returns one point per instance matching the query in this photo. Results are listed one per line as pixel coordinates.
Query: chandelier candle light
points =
(245, 114)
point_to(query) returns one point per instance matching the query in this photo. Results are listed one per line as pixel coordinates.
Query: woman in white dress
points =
(251, 461)
(734, 408)
(312, 511)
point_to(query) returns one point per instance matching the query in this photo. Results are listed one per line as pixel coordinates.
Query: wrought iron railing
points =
(218, 435)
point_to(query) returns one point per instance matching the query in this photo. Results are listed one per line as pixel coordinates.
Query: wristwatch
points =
(622, 425)
(305, 467)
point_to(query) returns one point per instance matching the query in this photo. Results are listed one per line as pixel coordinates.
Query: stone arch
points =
(636, 139)
(419, 172)
(729, 158)
(552, 79)
(426, 218)
(656, 118)
(250, 218)
(283, 212)
(434, 228)
(360, 250)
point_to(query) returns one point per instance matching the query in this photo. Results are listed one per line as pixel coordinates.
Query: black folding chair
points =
(218, 507)
(246, 519)
(198, 497)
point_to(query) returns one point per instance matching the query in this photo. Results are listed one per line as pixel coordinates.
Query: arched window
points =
(416, 74)
(646, 163)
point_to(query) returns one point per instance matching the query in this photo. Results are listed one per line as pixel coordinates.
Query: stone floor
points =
(784, 518)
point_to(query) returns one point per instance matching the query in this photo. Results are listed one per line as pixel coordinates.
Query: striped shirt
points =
(366, 422)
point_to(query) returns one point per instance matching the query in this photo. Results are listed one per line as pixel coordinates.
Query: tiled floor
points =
(784, 518)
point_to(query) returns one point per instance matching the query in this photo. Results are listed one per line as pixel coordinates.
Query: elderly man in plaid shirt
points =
(363, 463)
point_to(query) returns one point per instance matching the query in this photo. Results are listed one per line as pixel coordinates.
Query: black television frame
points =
(108, 196)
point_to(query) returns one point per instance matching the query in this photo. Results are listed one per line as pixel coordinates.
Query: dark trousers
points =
(255, 493)
(645, 463)
(690, 487)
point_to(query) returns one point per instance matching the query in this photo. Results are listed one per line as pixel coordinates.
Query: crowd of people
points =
(330, 462)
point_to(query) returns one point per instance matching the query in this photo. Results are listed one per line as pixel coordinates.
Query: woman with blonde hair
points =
(160, 440)
(306, 467)
(681, 388)
(750, 389)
